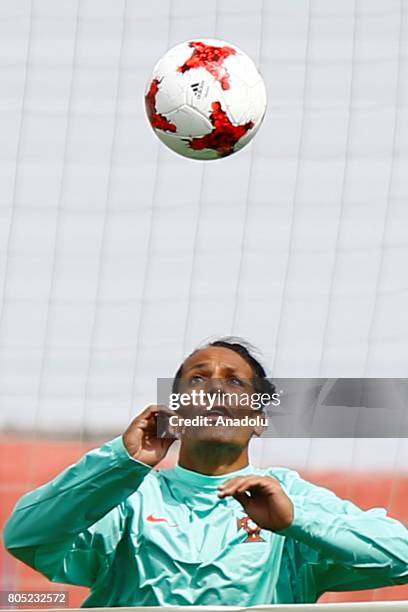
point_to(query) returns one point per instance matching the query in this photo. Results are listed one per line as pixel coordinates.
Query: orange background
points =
(26, 464)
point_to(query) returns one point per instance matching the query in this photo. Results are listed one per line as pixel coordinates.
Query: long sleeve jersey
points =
(137, 536)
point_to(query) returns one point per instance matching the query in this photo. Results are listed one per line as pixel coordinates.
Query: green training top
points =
(141, 537)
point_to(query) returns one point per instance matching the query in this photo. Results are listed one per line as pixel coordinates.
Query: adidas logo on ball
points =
(197, 89)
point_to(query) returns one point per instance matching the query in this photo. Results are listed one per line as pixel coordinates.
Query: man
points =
(214, 530)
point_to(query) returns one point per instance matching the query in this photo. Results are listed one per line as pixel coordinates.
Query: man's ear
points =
(259, 429)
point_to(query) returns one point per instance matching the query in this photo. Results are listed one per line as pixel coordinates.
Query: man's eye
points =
(196, 379)
(237, 382)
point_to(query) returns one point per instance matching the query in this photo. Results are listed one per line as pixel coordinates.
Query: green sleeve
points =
(67, 528)
(340, 547)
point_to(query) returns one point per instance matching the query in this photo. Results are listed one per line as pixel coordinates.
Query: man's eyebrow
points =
(197, 365)
(203, 365)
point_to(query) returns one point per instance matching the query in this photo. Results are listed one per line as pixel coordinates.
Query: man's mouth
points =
(217, 411)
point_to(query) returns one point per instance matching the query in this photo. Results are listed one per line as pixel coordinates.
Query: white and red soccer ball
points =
(205, 99)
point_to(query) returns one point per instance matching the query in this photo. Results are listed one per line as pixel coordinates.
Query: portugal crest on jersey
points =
(251, 528)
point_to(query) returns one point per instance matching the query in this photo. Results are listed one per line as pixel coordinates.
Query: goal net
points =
(118, 257)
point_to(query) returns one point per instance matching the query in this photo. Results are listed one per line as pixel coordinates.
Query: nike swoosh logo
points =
(156, 519)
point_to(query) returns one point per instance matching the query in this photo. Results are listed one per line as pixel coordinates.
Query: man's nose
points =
(214, 385)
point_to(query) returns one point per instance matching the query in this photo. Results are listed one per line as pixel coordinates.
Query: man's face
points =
(221, 382)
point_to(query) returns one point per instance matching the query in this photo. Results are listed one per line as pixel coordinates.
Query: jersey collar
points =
(195, 479)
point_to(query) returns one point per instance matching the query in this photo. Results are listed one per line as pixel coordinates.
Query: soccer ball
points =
(205, 99)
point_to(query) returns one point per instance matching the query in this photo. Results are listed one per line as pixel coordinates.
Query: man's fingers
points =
(154, 409)
(149, 415)
(243, 499)
(169, 432)
(240, 484)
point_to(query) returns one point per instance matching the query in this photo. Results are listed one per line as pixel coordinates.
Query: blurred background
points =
(117, 257)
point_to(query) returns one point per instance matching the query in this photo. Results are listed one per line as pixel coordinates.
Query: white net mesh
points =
(118, 256)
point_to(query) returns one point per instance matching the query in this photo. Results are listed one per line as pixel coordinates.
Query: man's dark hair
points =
(260, 381)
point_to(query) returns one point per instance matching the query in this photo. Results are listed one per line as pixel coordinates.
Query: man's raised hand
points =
(141, 439)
